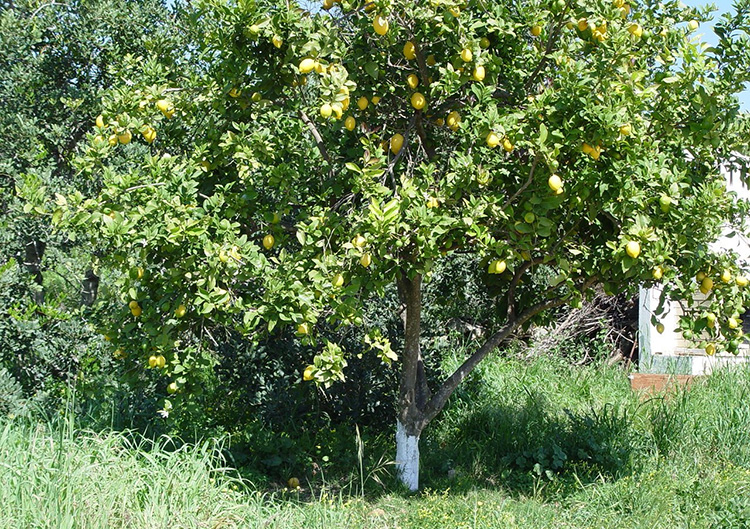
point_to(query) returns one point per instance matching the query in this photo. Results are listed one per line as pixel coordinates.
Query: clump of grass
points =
(681, 461)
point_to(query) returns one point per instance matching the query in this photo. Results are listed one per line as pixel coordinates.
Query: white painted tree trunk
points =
(407, 457)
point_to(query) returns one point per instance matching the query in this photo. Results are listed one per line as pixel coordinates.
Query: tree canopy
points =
(296, 161)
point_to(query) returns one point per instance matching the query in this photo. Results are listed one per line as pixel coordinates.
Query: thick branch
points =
(316, 136)
(440, 398)
(530, 179)
(413, 392)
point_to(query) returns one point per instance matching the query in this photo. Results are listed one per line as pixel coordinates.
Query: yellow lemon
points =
(100, 121)
(397, 141)
(536, 30)
(380, 25)
(693, 25)
(165, 107)
(432, 202)
(418, 101)
(741, 281)
(453, 120)
(152, 361)
(507, 145)
(337, 281)
(555, 183)
(657, 273)
(326, 110)
(583, 24)
(466, 55)
(706, 285)
(350, 123)
(633, 249)
(410, 51)
(365, 260)
(362, 103)
(124, 137)
(711, 349)
(636, 30)
(493, 140)
(479, 73)
(268, 241)
(303, 328)
(307, 65)
(497, 267)
(308, 374)
(726, 276)
(172, 388)
(626, 130)
(161, 362)
(181, 311)
(375, 100)
(277, 41)
(431, 61)
(412, 80)
(660, 328)
(149, 134)
(358, 241)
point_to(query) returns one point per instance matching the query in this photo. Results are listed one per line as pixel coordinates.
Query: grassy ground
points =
(522, 445)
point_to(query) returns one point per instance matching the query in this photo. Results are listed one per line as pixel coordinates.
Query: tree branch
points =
(316, 135)
(438, 401)
(528, 181)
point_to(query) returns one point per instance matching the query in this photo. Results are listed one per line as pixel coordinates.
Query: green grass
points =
(523, 445)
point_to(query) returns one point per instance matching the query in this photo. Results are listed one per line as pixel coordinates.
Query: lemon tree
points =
(315, 156)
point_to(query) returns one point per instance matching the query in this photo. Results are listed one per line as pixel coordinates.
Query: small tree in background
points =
(309, 159)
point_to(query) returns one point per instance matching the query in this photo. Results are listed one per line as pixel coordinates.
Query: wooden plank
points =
(649, 383)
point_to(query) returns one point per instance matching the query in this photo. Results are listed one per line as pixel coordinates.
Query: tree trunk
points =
(417, 406)
(413, 392)
(407, 457)
(33, 263)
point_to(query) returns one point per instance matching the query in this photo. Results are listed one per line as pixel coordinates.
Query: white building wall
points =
(669, 352)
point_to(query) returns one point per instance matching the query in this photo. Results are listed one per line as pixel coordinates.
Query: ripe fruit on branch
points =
(706, 285)
(636, 30)
(633, 249)
(366, 260)
(410, 51)
(466, 55)
(453, 120)
(497, 267)
(350, 123)
(555, 183)
(124, 137)
(493, 140)
(418, 101)
(268, 241)
(412, 80)
(397, 141)
(479, 73)
(380, 25)
(165, 107)
(149, 134)
(307, 65)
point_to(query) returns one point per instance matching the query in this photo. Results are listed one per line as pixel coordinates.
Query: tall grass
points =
(523, 445)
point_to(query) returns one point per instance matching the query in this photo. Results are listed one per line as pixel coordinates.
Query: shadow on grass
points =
(520, 445)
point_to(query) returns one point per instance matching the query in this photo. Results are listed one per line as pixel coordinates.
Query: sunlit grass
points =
(685, 462)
